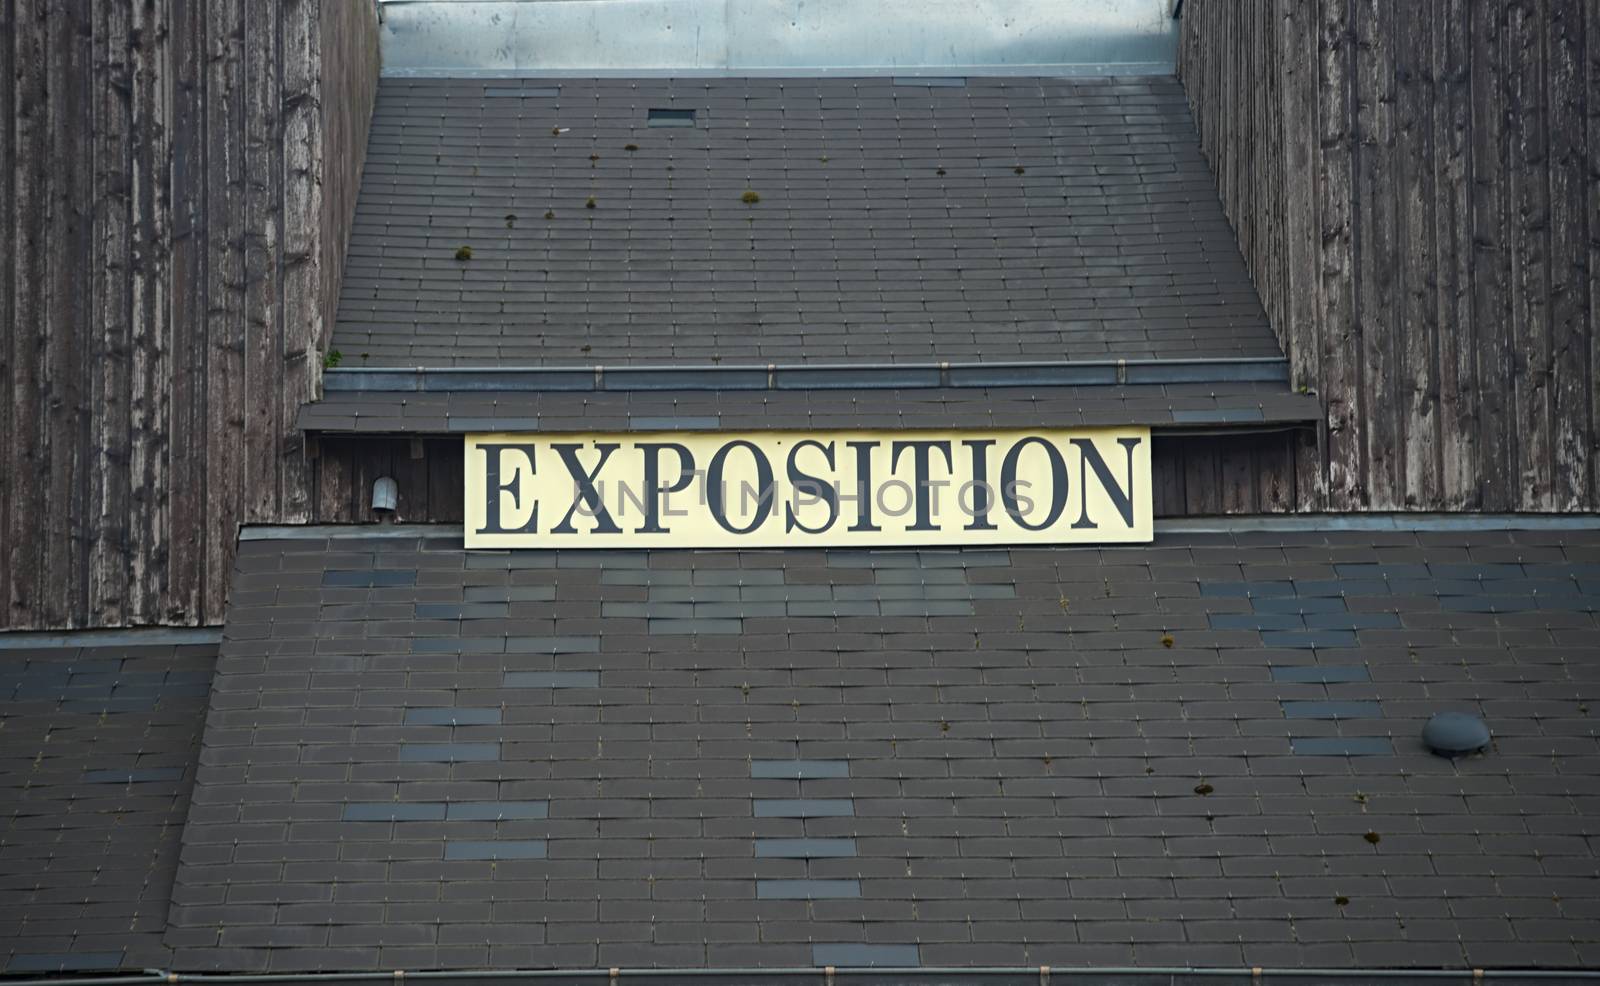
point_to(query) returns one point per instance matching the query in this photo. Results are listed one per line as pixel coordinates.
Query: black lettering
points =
(920, 454)
(981, 503)
(587, 494)
(1058, 482)
(652, 481)
(1121, 498)
(715, 499)
(824, 490)
(493, 487)
(864, 489)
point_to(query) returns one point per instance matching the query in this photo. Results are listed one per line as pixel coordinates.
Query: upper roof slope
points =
(1005, 219)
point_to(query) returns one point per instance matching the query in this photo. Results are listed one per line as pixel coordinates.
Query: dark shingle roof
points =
(1171, 405)
(1006, 219)
(97, 753)
(1200, 752)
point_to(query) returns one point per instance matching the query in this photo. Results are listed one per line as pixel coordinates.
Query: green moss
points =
(332, 360)
(550, 214)
(1019, 169)
(463, 253)
(630, 147)
(750, 197)
(1203, 788)
(590, 203)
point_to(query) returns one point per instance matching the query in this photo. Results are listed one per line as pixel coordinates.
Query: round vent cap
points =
(1451, 734)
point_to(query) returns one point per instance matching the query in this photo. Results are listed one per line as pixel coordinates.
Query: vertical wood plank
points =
(1202, 485)
(1166, 476)
(1343, 458)
(26, 452)
(1416, 326)
(1570, 382)
(69, 255)
(1591, 89)
(1236, 478)
(112, 321)
(1458, 397)
(224, 293)
(302, 217)
(333, 483)
(1298, 115)
(10, 470)
(1276, 465)
(188, 449)
(150, 278)
(262, 328)
(1492, 313)
(1530, 262)
(446, 491)
(1377, 387)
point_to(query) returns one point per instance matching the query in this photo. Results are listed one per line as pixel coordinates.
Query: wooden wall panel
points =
(181, 180)
(1414, 187)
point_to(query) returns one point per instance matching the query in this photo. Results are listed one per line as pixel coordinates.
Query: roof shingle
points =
(1064, 757)
(1005, 219)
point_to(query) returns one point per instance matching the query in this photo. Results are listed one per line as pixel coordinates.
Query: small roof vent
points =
(670, 118)
(1454, 734)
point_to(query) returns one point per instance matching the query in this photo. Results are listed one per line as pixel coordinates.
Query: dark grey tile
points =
(799, 769)
(855, 955)
(467, 849)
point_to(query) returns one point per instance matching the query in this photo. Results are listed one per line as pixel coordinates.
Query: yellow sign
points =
(806, 489)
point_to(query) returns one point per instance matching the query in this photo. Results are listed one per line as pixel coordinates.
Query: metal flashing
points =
(807, 376)
(1280, 523)
(134, 637)
(711, 37)
(1087, 70)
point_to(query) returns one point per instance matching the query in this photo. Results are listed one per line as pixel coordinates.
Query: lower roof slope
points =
(1202, 752)
(898, 220)
(97, 755)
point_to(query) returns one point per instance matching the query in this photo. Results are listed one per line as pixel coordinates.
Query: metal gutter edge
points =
(1281, 523)
(1290, 523)
(358, 532)
(129, 637)
(909, 975)
(806, 376)
(1059, 70)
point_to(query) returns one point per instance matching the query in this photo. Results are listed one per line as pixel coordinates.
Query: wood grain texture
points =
(1414, 187)
(176, 260)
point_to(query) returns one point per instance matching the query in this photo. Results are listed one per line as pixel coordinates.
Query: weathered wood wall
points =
(1416, 189)
(181, 175)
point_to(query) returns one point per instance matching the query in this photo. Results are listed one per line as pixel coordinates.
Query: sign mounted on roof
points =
(808, 489)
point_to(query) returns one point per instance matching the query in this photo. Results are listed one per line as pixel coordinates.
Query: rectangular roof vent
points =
(670, 118)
